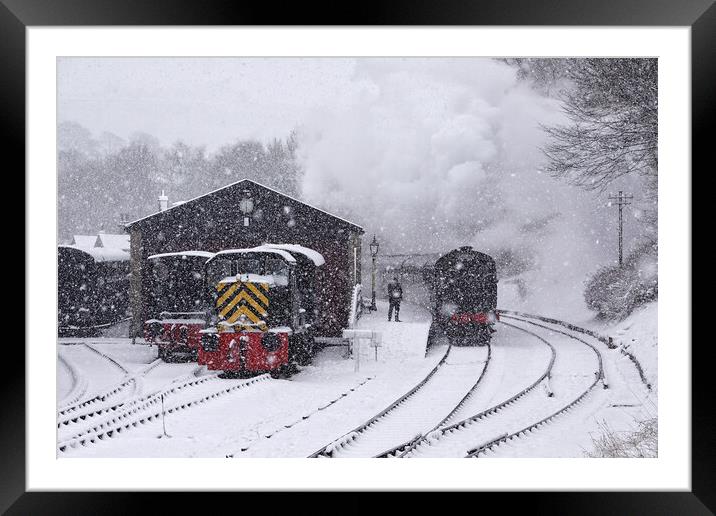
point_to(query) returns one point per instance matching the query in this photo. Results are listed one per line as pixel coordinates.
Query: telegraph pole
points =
(621, 201)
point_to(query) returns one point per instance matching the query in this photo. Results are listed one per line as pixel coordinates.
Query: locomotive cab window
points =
(246, 266)
(218, 269)
(278, 269)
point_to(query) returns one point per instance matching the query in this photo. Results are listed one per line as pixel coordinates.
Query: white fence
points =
(357, 338)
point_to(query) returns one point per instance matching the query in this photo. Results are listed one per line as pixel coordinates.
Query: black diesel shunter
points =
(92, 289)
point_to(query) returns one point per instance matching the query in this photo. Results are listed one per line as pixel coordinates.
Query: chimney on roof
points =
(163, 201)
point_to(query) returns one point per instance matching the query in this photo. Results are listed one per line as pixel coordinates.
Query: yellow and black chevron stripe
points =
(246, 299)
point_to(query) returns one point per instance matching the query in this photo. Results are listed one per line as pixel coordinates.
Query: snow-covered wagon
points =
(176, 303)
(93, 288)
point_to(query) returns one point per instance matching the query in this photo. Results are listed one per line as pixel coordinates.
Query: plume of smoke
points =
(431, 154)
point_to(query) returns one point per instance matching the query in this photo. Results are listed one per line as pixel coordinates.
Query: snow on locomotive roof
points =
(247, 277)
(314, 256)
(101, 254)
(259, 249)
(203, 254)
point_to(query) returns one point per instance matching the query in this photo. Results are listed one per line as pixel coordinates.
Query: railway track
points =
(329, 449)
(514, 418)
(305, 417)
(107, 409)
(526, 430)
(453, 377)
(409, 445)
(510, 419)
(442, 430)
(148, 409)
(92, 414)
(79, 383)
(78, 406)
(606, 340)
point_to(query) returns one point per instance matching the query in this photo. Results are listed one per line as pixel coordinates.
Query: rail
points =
(328, 450)
(609, 341)
(599, 377)
(410, 445)
(441, 432)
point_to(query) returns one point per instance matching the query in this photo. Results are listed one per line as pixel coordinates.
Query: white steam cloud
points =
(431, 154)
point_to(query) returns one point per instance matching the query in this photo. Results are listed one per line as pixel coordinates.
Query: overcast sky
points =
(202, 101)
(428, 153)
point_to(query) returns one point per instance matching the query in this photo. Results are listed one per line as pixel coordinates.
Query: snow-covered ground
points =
(618, 409)
(638, 335)
(205, 416)
(65, 379)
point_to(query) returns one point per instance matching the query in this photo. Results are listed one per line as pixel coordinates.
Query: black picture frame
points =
(17, 15)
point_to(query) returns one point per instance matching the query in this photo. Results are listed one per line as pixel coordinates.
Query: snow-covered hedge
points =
(614, 292)
(641, 443)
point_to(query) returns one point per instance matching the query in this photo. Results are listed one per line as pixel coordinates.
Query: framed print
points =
(405, 233)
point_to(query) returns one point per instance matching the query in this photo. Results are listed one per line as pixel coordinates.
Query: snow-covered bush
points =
(614, 292)
(641, 443)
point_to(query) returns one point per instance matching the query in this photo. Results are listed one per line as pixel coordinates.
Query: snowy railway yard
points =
(539, 389)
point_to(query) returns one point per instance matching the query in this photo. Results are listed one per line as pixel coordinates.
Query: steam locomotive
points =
(176, 303)
(463, 296)
(264, 309)
(93, 288)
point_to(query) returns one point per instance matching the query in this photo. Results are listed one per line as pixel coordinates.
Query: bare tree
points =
(98, 180)
(612, 129)
(546, 75)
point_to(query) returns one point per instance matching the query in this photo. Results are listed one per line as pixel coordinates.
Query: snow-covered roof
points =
(175, 206)
(111, 241)
(102, 254)
(314, 256)
(259, 249)
(269, 279)
(203, 254)
(84, 240)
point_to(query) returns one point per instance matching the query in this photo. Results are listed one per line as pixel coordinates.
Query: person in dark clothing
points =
(395, 296)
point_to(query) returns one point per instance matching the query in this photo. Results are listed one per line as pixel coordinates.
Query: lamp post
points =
(373, 253)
